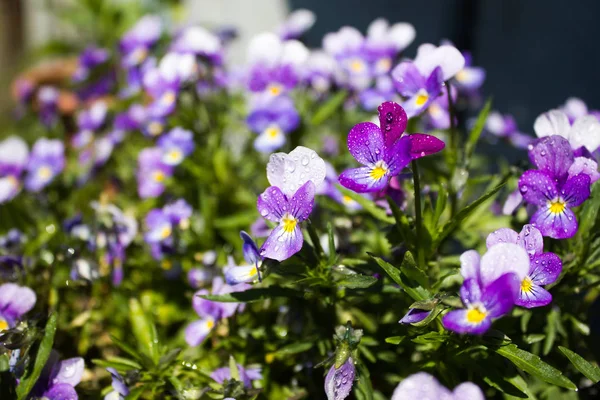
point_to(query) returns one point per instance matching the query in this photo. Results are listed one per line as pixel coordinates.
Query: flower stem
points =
(418, 215)
(453, 156)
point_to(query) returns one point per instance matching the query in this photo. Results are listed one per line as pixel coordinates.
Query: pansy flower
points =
(198, 41)
(13, 158)
(469, 79)
(422, 79)
(383, 91)
(137, 42)
(425, 387)
(319, 71)
(89, 121)
(152, 172)
(272, 121)
(339, 381)
(47, 159)
(15, 301)
(560, 183)
(249, 272)
(574, 108)
(384, 152)
(176, 144)
(584, 133)
(296, 24)
(295, 178)
(383, 43)
(47, 97)
(414, 315)
(490, 289)
(120, 389)
(505, 126)
(63, 377)
(544, 268)
(247, 375)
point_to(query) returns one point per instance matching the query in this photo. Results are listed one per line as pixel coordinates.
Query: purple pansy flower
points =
(319, 71)
(338, 382)
(383, 91)
(469, 79)
(152, 172)
(414, 315)
(247, 375)
(384, 152)
(556, 186)
(584, 133)
(272, 121)
(505, 126)
(210, 311)
(160, 224)
(298, 22)
(47, 159)
(198, 41)
(59, 378)
(47, 97)
(249, 272)
(15, 301)
(13, 158)
(89, 121)
(176, 144)
(544, 268)
(490, 289)
(421, 80)
(120, 389)
(425, 387)
(90, 58)
(137, 42)
(437, 115)
(179, 212)
(295, 178)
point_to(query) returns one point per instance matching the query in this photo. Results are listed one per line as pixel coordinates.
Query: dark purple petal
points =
(555, 225)
(532, 295)
(537, 187)
(457, 321)
(250, 249)
(576, 190)
(423, 145)
(435, 83)
(502, 235)
(470, 291)
(545, 268)
(553, 154)
(360, 180)
(62, 391)
(397, 155)
(272, 203)
(531, 240)
(338, 382)
(302, 202)
(392, 120)
(366, 143)
(414, 315)
(282, 244)
(407, 79)
(499, 296)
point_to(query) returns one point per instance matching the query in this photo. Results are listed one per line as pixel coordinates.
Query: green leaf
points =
(368, 205)
(252, 295)
(293, 348)
(414, 291)
(533, 338)
(118, 364)
(550, 329)
(329, 107)
(126, 348)
(34, 369)
(363, 389)
(533, 365)
(166, 359)
(432, 315)
(394, 339)
(453, 224)
(431, 337)
(402, 223)
(590, 371)
(476, 131)
(143, 330)
(588, 215)
(410, 269)
(357, 281)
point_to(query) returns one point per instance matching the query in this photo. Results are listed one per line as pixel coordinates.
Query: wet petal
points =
(62, 391)
(555, 225)
(576, 190)
(468, 391)
(414, 315)
(420, 386)
(545, 268)
(534, 296)
(531, 240)
(392, 120)
(361, 181)
(281, 245)
(338, 382)
(423, 145)
(302, 202)
(552, 154)
(501, 259)
(366, 143)
(407, 79)
(502, 235)
(290, 171)
(68, 371)
(554, 122)
(397, 156)
(585, 132)
(470, 291)
(469, 265)
(457, 321)
(499, 296)
(537, 187)
(584, 165)
(272, 204)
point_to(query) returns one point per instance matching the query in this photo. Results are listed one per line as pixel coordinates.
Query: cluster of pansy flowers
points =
(162, 226)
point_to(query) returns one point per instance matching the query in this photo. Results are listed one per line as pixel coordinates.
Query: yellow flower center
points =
(158, 176)
(526, 284)
(210, 324)
(165, 232)
(476, 314)
(347, 199)
(384, 64)
(253, 272)
(273, 132)
(357, 65)
(155, 128)
(45, 172)
(174, 155)
(289, 223)
(462, 75)
(166, 265)
(275, 90)
(556, 206)
(421, 98)
(169, 98)
(379, 171)
(140, 54)
(3, 325)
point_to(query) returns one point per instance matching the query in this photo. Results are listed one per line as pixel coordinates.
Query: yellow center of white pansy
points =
(526, 284)
(476, 314)
(210, 324)
(168, 98)
(174, 155)
(462, 75)
(384, 64)
(557, 206)
(288, 222)
(379, 170)
(165, 232)
(44, 172)
(273, 131)
(357, 65)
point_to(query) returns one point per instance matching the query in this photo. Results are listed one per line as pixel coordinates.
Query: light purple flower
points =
(47, 97)
(553, 189)
(298, 22)
(574, 108)
(469, 79)
(198, 41)
(384, 151)
(179, 212)
(89, 121)
(247, 375)
(585, 131)
(544, 268)
(15, 301)
(47, 159)
(176, 144)
(248, 272)
(64, 376)
(422, 386)
(319, 71)
(120, 389)
(490, 289)
(338, 382)
(383, 91)
(137, 42)
(90, 58)
(159, 226)
(414, 315)
(272, 121)
(152, 172)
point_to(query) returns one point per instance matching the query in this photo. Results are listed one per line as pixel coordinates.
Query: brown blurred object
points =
(11, 43)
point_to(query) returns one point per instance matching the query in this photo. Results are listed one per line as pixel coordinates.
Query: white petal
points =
(423, 52)
(265, 48)
(501, 259)
(402, 35)
(584, 165)
(13, 151)
(575, 107)
(585, 132)
(294, 53)
(200, 40)
(378, 29)
(301, 20)
(495, 123)
(470, 264)
(290, 171)
(553, 122)
(448, 58)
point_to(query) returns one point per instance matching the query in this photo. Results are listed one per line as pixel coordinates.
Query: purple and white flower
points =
(135, 45)
(120, 389)
(338, 382)
(198, 41)
(13, 159)
(469, 79)
(296, 24)
(272, 121)
(64, 376)
(249, 272)
(176, 144)
(247, 375)
(47, 159)
(544, 268)
(424, 386)
(152, 172)
(584, 132)
(15, 301)
(414, 315)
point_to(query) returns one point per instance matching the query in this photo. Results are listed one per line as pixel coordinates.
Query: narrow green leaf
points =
(402, 223)
(331, 243)
(534, 338)
(314, 238)
(126, 348)
(357, 281)
(476, 131)
(252, 295)
(34, 369)
(329, 107)
(432, 315)
(394, 339)
(590, 371)
(367, 205)
(440, 206)
(293, 348)
(233, 369)
(363, 388)
(143, 330)
(533, 365)
(431, 337)
(118, 365)
(550, 329)
(414, 291)
(410, 269)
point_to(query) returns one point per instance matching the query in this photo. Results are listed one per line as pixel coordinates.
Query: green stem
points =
(418, 216)
(453, 156)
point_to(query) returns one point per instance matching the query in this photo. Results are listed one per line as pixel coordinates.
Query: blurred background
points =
(537, 53)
